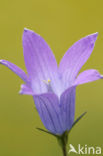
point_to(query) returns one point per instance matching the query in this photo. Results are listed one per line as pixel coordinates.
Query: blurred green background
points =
(61, 23)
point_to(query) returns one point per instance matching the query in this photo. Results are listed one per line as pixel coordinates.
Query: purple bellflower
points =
(53, 87)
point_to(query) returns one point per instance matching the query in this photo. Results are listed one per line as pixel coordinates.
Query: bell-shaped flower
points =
(53, 87)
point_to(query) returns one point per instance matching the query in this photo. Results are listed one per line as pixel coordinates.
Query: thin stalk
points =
(63, 139)
(64, 150)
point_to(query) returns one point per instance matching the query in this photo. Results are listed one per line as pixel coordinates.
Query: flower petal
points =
(26, 90)
(16, 70)
(40, 62)
(67, 103)
(75, 58)
(88, 76)
(50, 112)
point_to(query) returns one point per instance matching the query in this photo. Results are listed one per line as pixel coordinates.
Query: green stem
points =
(63, 139)
(64, 150)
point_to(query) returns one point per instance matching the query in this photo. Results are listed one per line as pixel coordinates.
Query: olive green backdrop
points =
(61, 23)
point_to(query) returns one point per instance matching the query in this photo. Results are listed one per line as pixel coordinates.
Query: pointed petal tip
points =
(0, 61)
(93, 37)
(21, 89)
(26, 33)
(27, 30)
(94, 34)
(20, 92)
(101, 76)
(3, 62)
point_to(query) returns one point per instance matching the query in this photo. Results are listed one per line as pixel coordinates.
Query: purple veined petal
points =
(88, 76)
(67, 104)
(16, 70)
(50, 113)
(40, 62)
(26, 90)
(75, 58)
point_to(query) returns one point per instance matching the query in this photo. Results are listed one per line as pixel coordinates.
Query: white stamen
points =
(47, 82)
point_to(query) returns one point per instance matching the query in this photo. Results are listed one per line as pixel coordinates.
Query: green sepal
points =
(63, 139)
(40, 129)
(64, 135)
(77, 120)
